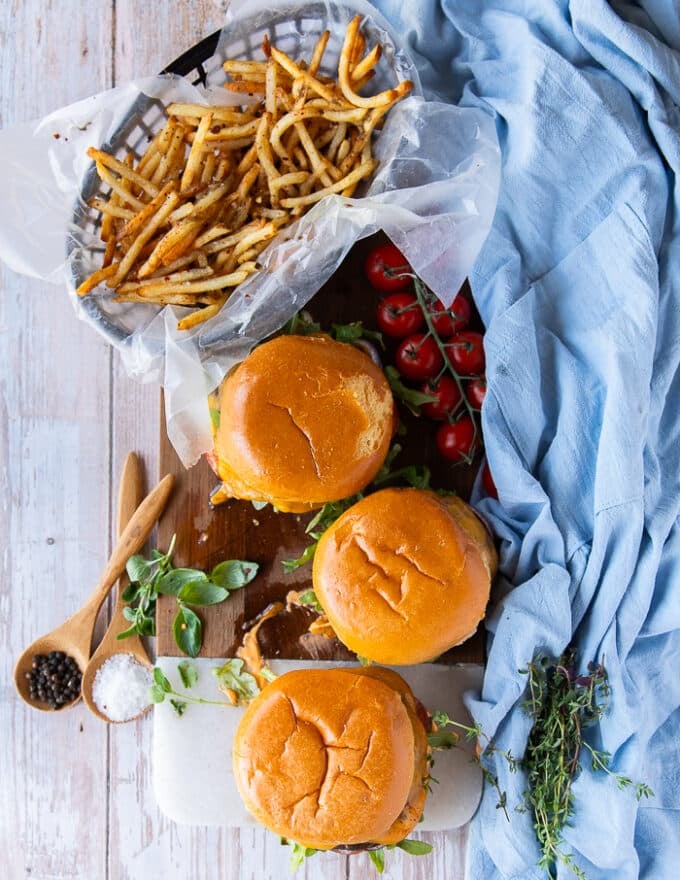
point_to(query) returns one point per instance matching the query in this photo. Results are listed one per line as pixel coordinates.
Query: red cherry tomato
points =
(418, 357)
(476, 392)
(448, 395)
(446, 322)
(388, 269)
(487, 481)
(465, 350)
(399, 315)
(457, 441)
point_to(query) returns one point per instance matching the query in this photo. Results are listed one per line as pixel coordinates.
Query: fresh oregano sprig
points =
(192, 588)
(232, 679)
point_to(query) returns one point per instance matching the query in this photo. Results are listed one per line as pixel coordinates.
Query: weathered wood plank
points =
(54, 514)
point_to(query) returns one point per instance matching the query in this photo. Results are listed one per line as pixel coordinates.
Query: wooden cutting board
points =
(236, 530)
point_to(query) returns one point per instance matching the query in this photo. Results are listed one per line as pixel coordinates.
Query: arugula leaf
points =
(179, 706)
(290, 565)
(202, 593)
(233, 574)
(232, 677)
(299, 854)
(377, 856)
(188, 673)
(309, 598)
(188, 631)
(410, 397)
(415, 847)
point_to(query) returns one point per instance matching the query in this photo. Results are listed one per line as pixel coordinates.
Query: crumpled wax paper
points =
(434, 194)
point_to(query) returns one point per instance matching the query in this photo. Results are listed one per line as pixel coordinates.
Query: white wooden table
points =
(77, 800)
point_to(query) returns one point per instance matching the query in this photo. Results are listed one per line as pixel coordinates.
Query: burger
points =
(334, 758)
(303, 420)
(404, 574)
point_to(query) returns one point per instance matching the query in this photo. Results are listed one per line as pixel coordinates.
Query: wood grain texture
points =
(77, 795)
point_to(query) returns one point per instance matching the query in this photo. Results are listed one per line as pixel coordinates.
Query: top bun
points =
(303, 420)
(404, 575)
(333, 757)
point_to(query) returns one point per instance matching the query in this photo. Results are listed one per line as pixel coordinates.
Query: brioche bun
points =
(303, 420)
(333, 757)
(404, 575)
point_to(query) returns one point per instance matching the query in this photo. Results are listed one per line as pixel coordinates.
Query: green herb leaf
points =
(202, 593)
(410, 397)
(130, 614)
(156, 693)
(132, 631)
(309, 598)
(188, 631)
(299, 853)
(377, 856)
(130, 592)
(170, 584)
(179, 706)
(415, 847)
(363, 661)
(138, 568)
(215, 417)
(232, 677)
(442, 739)
(233, 574)
(290, 565)
(188, 673)
(160, 679)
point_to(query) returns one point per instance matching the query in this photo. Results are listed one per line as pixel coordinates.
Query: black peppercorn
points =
(54, 679)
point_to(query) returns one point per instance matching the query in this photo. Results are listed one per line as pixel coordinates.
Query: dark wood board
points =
(236, 530)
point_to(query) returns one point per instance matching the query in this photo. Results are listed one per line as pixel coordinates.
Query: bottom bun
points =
(333, 757)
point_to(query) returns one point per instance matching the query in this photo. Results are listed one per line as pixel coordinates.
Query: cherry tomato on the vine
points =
(399, 315)
(457, 441)
(448, 395)
(388, 269)
(465, 350)
(475, 392)
(445, 321)
(487, 481)
(418, 357)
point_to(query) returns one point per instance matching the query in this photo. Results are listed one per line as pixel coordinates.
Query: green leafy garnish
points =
(193, 588)
(410, 397)
(232, 677)
(241, 683)
(299, 852)
(309, 598)
(188, 673)
(408, 845)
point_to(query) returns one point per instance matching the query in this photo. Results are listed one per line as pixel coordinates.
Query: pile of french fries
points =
(185, 224)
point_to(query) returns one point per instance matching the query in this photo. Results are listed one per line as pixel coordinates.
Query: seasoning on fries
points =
(185, 224)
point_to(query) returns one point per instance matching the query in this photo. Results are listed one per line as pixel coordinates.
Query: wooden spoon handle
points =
(130, 491)
(134, 535)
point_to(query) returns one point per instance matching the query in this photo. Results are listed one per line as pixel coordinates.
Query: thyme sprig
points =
(563, 703)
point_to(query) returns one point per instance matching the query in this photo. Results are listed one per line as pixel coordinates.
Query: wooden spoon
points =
(74, 636)
(130, 494)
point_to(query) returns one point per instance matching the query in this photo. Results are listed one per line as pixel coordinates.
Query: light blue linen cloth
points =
(579, 286)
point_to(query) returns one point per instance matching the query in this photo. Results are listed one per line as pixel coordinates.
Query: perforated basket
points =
(292, 28)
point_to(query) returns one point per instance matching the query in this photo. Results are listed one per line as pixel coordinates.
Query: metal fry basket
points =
(290, 27)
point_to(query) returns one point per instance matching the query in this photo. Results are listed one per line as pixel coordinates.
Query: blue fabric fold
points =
(578, 284)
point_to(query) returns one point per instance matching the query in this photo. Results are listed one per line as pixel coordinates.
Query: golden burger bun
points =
(333, 757)
(303, 420)
(404, 575)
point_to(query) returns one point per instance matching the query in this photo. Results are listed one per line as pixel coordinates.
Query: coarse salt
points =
(121, 687)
